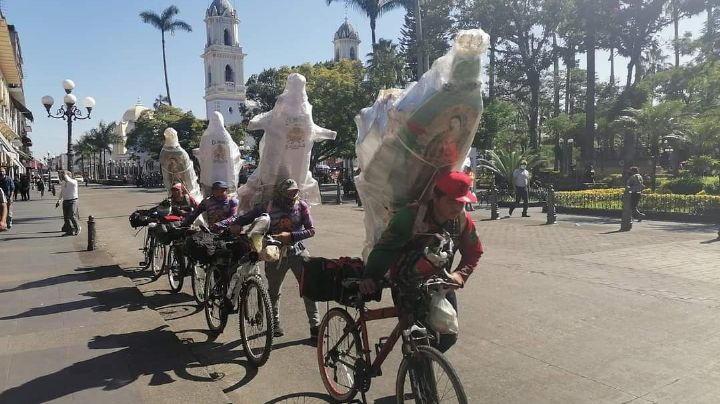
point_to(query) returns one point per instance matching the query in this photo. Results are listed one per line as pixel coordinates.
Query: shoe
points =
(525, 215)
(67, 234)
(278, 331)
(313, 336)
(510, 211)
(77, 232)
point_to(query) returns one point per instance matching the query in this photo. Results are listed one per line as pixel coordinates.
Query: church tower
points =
(224, 63)
(347, 43)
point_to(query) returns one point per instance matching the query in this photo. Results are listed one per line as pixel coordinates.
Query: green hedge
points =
(611, 199)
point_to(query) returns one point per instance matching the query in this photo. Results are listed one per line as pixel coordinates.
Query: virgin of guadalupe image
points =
(444, 148)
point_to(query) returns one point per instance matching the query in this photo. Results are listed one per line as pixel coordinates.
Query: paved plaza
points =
(576, 312)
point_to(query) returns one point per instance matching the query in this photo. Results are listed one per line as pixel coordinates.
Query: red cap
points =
(456, 185)
(178, 186)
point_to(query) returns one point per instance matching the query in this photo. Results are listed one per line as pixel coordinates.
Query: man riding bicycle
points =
(181, 203)
(412, 230)
(219, 206)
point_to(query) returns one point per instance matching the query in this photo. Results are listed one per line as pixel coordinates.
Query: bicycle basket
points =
(140, 218)
(322, 279)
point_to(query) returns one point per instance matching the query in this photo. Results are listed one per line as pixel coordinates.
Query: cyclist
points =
(181, 203)
(401, 247)
(290, 223)
(219, 206)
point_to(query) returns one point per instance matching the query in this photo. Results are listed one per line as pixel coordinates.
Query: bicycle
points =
(233, 283)
(177, 264)
(344, 352)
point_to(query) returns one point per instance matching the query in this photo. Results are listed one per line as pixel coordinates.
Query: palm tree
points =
(160, 100)
(83, 148)
(372, 9)
(386, 65)
(504, 164)
(102, 137)
(165, 23)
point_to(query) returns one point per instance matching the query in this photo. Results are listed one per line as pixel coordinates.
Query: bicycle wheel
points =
(157, 261)
(147, 250)
(216, 307)
(256, 326)
(198, 282)
(428, 377)
(338, 350)
(175, 269)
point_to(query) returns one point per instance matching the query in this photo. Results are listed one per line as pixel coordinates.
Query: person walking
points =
(16, 188)
(290, 223)
(69, 197)
(40, 187)
(8, 186)
(521, 180)
(3, 211)
(467, 170)
(635, 185)
(25, 187)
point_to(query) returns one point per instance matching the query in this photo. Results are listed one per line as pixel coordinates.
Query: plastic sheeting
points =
(219, 155)
(285, 147)
(407, 137)
(176, 165)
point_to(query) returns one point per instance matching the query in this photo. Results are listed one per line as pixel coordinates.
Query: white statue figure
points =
(176, 165)
(285, 147)
(219, 156)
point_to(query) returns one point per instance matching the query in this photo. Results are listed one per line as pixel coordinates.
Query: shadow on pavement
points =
(30, 238)
(154, 353)
(308, 397)
(81, 275)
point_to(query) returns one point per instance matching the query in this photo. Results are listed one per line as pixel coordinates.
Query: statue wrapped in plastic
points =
(176, 165)
(219, 156)
(285, 147)
(406, 139)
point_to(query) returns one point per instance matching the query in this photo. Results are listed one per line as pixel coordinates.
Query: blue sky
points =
(114, 57)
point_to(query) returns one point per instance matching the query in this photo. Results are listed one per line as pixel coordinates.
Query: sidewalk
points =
(73, 329)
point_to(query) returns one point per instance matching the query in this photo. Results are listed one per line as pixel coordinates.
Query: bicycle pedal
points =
(380, 344)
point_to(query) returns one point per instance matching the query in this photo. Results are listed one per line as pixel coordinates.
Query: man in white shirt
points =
(521, 180)
(3, 211)
(69, 196)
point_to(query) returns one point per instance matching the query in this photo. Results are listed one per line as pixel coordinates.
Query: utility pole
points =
(423, 60)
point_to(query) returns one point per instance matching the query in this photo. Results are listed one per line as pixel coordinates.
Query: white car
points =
(79, 178)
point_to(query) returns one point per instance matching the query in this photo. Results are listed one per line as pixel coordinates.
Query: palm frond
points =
(169, 12)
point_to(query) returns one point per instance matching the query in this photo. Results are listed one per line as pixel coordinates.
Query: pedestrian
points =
(69, 197)
(87, 180)
(16, 188)
(521, 180)
(3, 211)
(635, 185)
(220, 208)
(403, 249)
(40, 187)
(25, 187)
(290, 223)
(589, 173)
(8, 186)
(467, 169)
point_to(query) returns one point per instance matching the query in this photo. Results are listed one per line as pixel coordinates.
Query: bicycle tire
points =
(420, 389)
(344, 327)
(215, 288)
(249, 317)
(147, 249)
(198, 282)
(157, 261)
(175, 270)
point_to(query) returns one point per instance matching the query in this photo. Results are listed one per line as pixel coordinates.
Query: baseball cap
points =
(456, 185)
(219, 184)
(289, 184)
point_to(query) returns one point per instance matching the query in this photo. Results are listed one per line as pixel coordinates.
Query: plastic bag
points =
(442, 316)
(219, 156)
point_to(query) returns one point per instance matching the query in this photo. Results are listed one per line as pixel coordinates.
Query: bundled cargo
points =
(413, 136)
(176, 165)
(285, 147)
(219, 156)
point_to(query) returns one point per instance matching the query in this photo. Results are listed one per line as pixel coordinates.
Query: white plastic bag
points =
(442, 316)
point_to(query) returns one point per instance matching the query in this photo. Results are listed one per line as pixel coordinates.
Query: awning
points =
(23, 109)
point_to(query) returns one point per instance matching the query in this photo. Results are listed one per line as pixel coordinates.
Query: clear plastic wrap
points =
(176, 165)
(219, 155)
(285, 147)
(412, 137)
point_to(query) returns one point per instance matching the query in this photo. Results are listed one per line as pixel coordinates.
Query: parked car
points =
(54, 177)
(79, 178)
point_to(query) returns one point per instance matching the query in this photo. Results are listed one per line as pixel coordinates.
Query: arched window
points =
(352, 53)
(229, 74)
(337, 55)
(226, 37)
(209, 83)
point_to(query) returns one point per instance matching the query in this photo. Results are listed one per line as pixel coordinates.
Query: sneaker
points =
(278, 331)
(313, 336)
(77, 232)
(525, 215)
(510, 211)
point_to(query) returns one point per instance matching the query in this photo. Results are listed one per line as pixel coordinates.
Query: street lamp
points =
(69, 112)
(570, 154)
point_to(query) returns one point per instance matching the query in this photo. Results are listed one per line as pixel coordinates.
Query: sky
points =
(111, 55)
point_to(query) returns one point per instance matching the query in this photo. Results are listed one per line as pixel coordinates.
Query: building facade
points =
(15, 118)
(224, 63)
(346, 42)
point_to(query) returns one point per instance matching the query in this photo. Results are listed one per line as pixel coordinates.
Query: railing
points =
(662, 205)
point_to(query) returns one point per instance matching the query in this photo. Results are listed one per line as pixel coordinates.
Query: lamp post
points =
(69, 112)
(569, 153)
(561, 145)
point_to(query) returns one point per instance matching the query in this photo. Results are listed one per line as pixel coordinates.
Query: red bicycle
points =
(425, 375)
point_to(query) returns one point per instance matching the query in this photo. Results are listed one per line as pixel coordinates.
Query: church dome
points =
(220, 8)
(133, 113)
(346, 31)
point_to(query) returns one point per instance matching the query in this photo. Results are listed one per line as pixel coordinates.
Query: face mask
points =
(523, 166)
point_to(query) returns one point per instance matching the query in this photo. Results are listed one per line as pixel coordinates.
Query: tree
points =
(160, 100)
(504, 164)
(83, 149)
(386, 68)
(147, 136)
(102, 137)
(165, 23)
(437, 32)
(372, 9)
